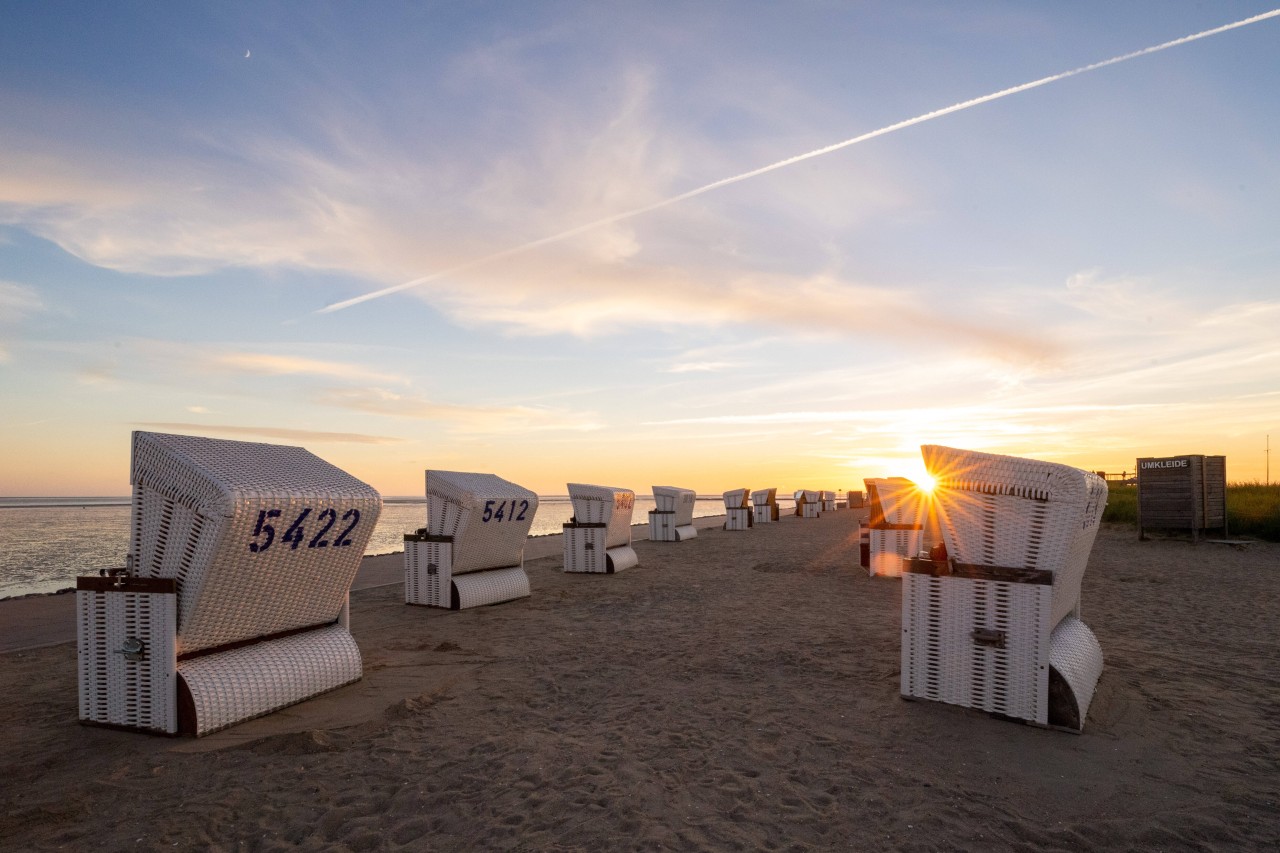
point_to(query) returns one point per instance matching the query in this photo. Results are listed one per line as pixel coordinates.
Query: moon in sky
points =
(246, 54)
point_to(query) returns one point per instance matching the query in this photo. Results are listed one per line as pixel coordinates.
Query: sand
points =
(735, 692)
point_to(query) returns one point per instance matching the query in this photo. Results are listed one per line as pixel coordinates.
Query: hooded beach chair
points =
(764, 504)
(672, 519)
(828, 500)
(598, 537)
(471, 552)
(896, 524)
(808, 503)
(995, 625)
(234, 599)
(737, 509)
(855, 500)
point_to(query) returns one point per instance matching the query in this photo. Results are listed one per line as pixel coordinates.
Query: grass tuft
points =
(1253, 509)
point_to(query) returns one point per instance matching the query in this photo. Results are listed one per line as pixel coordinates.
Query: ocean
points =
(46, 542)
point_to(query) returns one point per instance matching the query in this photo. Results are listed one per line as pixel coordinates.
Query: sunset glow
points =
(716, 248)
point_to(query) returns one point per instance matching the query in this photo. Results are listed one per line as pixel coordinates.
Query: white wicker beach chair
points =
(233, 603)
(471, 552)
(737, 509)
(896, 524)
(672, 519)
(828, 500)
(996, 625)
(764, 503)
(808, 503)
(598, 537)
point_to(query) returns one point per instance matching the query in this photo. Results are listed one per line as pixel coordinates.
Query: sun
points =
(919, 475)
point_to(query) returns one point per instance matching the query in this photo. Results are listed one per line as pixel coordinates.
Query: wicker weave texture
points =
(428, 573)
(1074, 652)
(488, 517)
(584, 549)
(738, 518)
(679, 501)
(889, 548)
(492, 587)
(603, 504)
(261, 538)
(765, 497)
(944, 661)
(1018, 513)
(662, 526)
(232, 686)
(765, 502)
(899, 500)
(622, 557)
(736, 498)
(115, 690)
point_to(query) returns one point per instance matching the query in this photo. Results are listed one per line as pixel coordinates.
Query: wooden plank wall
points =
(1182, 493)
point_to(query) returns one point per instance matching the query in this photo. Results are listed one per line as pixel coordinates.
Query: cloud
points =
(272, 432)
(17, 303)
(462, 418)
(702, 366)
(268, 364)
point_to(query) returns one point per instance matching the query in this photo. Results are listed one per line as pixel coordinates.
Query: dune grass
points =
(1253, 509)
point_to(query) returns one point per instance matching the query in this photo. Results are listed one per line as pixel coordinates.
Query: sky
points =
(208, 212)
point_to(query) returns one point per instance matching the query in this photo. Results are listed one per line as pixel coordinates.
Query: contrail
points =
(790, 161)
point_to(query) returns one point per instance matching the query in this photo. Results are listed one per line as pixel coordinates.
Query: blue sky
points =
(1084, 272)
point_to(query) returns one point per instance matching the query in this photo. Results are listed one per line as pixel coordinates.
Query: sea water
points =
(46, 542)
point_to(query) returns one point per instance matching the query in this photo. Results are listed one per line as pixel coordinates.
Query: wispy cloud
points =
(272, 432)
(474, 419)
(17, 303)
(628, 214)
(268, 364)
(702, 366)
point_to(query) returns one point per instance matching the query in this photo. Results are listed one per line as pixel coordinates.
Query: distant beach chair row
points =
(234, 599)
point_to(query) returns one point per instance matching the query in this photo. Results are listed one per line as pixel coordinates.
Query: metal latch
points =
(132, 649)
(988, 637)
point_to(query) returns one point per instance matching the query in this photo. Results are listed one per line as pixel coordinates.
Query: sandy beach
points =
(735, 692)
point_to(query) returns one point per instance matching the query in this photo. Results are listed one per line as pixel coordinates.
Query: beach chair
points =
(896, 524)
(598, 536)
(737, 509)
(855, 500)
(995, 625)
(672, 519)
(808, 503)
(234, 599)
(764, 505)
(471, 552)
(828, 500)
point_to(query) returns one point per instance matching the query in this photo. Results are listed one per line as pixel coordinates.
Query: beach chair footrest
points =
(476, 589)
(1075, 665)
(225, 688)
(622, 557)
